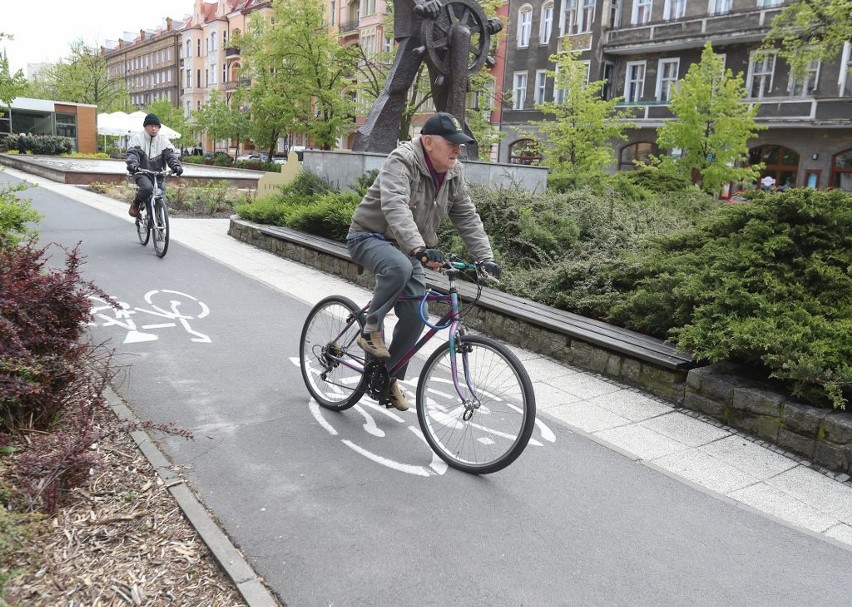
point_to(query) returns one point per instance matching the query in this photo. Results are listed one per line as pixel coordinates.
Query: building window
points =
(781, 164)
(540, 85)
(641, 151)
(586, 16)
(807, 85)
(674, 9)
(841, 171)
(332, 12)
(524, 25)
(524, 151)
(369, 7)
(519, 96)
(615, 13)
(641, 11)
(568, 19)
(634, 81)
(761, 70)
(769, 3)
(667, 78)
(188, 78)
(608, 76)
(546, 25)
(720, 7)
(198, 48)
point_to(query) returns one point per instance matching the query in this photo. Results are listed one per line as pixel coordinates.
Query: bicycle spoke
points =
(331, 362)
(484, 425)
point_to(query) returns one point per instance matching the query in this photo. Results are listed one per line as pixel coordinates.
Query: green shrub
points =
(49, 145)
(307, 183)
(364, 182)
(15, 216)
(768, 283)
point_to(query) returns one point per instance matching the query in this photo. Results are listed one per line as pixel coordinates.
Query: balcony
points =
(232, 51)
(690, 32)
(347, 27)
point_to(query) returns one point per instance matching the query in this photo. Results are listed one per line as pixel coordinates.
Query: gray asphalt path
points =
(310, 501)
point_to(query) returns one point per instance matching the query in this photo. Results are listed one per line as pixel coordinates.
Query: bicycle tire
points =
(143, 226)
(160, 227)
(333, 326)
(499, 428)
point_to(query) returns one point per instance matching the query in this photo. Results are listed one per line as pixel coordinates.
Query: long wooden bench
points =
(626, 355)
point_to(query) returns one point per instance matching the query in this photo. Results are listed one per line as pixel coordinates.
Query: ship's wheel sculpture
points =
(456, 43)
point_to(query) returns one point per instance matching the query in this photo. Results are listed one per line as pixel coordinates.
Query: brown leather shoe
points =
(397, 398)
(373, 344)
(133, 211)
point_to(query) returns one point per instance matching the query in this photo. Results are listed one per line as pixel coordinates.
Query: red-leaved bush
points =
(52, 379)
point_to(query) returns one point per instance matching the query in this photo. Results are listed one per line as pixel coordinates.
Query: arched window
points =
(525, 151)
(524, 25)
(841, 170)
(639, 151)
(782, 164)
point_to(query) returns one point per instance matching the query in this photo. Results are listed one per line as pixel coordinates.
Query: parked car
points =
(248, 157)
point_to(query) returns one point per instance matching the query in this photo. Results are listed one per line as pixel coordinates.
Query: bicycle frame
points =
(451, 320)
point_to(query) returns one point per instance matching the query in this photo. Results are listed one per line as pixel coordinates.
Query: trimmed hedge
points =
(767, 282)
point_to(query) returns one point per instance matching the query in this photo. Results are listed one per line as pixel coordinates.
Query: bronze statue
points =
(453, 38)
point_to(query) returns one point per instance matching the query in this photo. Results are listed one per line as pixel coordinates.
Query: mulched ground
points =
(121, 541)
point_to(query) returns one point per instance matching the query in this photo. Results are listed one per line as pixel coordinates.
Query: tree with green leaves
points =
(217, 118)
(807, 31)
(577, 131)
(711, 126)
(82, 77)
(11, 85)
(298, 54)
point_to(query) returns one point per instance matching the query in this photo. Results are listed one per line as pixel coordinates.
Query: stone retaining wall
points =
(823, 436)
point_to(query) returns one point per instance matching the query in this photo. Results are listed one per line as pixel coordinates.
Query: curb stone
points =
(230, 559)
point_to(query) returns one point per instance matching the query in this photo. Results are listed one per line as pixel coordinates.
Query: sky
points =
(45, 29)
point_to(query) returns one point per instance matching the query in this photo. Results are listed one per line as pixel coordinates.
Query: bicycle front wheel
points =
(480, 418)
(160, 227)
(143, 226)
(332, 362)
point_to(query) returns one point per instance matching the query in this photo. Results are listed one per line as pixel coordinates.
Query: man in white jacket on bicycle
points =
(150, 150)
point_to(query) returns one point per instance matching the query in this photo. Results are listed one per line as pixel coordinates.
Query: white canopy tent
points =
(122, 124)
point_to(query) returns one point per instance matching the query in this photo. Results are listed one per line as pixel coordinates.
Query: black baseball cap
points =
(445, 125)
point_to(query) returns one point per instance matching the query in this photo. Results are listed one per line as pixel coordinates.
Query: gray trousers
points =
(396, 274)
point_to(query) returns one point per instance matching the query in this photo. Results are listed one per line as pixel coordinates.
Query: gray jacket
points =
(402, 204)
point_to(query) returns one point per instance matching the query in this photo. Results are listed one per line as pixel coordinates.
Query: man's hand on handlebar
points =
(489, 268)
(431, 258)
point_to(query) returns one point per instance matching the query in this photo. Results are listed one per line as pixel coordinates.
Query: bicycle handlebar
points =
(163, 173)
(463, 266)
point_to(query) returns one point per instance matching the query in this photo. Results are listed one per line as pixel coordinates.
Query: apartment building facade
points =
(643, 47)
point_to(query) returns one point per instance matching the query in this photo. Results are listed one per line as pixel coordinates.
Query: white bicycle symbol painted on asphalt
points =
(166, 309)
(374, 415)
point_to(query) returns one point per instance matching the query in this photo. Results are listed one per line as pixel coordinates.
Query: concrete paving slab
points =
(642, 442)
(773, 501)
(587, 417)
(816, 490)
(544, 369)
(587, 385)
(548, 396)
(841, 533)
(743, 454)
(632, 405)
(685, 429)
(706, 471)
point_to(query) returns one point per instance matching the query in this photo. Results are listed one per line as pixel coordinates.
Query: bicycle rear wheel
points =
(160, 227)
(490, 427)
(332, 362)
(143, 226)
